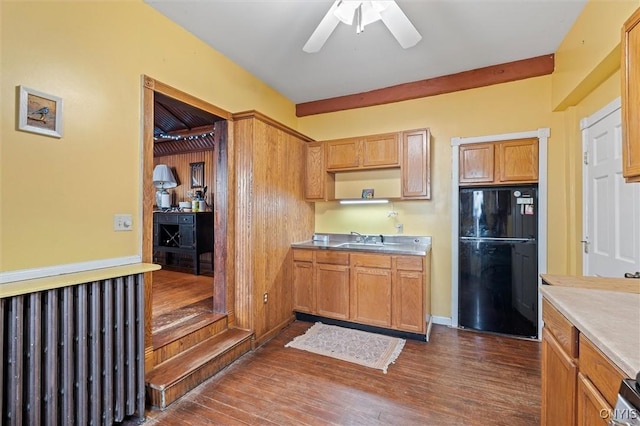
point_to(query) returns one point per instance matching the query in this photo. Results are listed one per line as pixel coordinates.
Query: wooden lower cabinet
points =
(579, 383)
(380, 290)
(408, 301)
(593, 410)
(332, 291)
(371, 296)
(559, 376)
(303, 294)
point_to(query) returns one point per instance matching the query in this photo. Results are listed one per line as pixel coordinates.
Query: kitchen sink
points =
(361, 246)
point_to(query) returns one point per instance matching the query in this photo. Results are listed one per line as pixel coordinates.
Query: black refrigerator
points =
(498, 260)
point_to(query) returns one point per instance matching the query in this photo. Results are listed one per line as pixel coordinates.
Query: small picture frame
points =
(367, 193)
(39, 112)
(197, 174)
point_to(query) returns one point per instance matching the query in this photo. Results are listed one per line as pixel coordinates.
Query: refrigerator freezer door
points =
(499, 212)
(498, 287)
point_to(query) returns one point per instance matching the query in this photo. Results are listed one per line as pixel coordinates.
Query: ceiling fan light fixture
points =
(364, 13)
(346, 10)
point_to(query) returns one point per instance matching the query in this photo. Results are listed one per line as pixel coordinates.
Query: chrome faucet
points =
(359, 237)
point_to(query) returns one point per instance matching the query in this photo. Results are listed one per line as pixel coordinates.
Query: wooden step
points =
(177, 376)
(173, 340)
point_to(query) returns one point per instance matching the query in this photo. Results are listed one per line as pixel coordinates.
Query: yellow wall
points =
(590, 51)
(59, 195)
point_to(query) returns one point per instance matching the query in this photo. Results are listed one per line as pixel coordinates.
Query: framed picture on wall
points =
(39, 112)
(197, 174)
(367, 193)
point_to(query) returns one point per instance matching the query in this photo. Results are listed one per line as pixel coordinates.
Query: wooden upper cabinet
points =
(476, 163)
(407, 151)
(416, 173)
(343, 154)
(315, 186)
(630, 71)
(513, 161)
(381, 150)
(369, 152)
(517, 161)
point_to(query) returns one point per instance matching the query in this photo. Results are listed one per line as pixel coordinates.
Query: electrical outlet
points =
(265, 298)
(399, 228)
(122, 222)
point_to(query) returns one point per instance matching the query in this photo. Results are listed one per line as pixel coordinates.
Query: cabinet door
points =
(187, 236)
(371, 296)
(517, 161)
(343, 154)
(476, 163)
(593, 410)
(315, 176)
(381, 150)
(332, 290)
(559, 376)
(409, 301)
(416, 180)
(303, 289)
(631, 98)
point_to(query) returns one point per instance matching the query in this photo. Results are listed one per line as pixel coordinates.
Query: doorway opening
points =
(190, 137)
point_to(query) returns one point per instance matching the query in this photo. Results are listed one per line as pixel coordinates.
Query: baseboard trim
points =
(49, 271)
(441, 320)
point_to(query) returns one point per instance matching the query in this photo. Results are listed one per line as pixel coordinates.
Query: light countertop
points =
(612, 284)
(406, 245)
(609, 319)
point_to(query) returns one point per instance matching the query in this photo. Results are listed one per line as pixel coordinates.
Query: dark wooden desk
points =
(183, 233)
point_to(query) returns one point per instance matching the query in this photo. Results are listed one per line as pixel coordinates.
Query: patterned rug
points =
(367, 349)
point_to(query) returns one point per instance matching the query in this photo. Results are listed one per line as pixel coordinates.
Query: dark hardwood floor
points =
(458, 378)
(181, 303)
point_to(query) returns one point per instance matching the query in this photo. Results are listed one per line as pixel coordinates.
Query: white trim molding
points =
(441, 320)
(543, 135)
(49, 271)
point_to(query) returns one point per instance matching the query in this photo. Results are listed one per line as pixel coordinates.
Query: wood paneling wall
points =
(270, 215)
(181, 170)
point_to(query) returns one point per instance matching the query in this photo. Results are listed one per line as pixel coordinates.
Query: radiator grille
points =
(73, 355)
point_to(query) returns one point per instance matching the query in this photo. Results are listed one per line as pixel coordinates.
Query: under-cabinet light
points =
(365, 201)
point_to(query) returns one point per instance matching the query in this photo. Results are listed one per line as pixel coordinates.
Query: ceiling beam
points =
(481, 77)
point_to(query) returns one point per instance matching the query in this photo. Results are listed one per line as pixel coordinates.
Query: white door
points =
(611, 208)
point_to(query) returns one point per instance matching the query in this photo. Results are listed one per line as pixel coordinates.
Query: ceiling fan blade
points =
(399, 25)
(323, 31)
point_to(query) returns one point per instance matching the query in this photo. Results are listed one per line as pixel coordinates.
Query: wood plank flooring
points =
(182, 303)
(458, 378)
(174, 290)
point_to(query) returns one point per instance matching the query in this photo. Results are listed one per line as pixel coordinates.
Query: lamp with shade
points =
(163, 179)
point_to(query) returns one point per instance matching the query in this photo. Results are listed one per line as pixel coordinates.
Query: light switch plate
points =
(122, 222)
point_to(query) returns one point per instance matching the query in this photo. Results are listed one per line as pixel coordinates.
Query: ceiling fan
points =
(364, 13)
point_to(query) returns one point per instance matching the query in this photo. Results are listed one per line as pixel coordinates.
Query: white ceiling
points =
(265, 37)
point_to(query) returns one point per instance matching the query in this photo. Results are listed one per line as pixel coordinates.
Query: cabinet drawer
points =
(603, 374)
(185, 218)
(409, 263)
(303, 255)
(371, 260)
(332, 257)
(166, 218)
(561, 328)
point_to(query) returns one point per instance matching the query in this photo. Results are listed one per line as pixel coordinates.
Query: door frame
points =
(543, 137)
(585, 124)
(222, 196)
